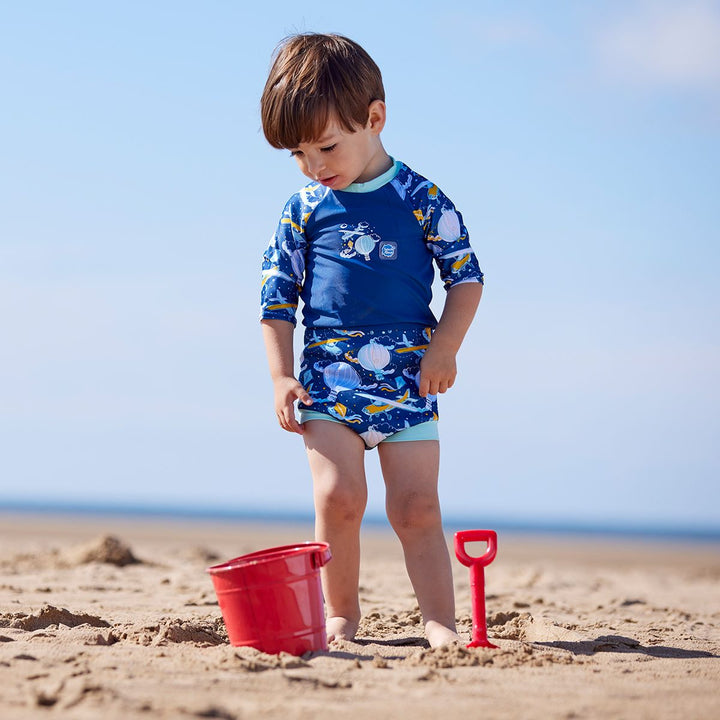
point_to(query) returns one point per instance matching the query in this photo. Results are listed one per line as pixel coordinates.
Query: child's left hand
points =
(438, 370)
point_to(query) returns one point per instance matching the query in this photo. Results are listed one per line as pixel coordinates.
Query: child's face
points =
(339, 157)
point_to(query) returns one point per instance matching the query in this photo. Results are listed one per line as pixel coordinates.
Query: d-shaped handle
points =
(466, 536)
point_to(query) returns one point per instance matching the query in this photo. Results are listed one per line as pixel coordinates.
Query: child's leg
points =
(337, 464)
(410, 470)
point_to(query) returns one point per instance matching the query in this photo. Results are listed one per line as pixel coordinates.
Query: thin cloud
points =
(664, 45)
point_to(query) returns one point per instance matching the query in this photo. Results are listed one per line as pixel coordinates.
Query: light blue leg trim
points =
(306, 415)
(423, 431)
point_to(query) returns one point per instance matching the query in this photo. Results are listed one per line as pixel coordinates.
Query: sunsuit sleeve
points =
(283, 266)
(447, 238)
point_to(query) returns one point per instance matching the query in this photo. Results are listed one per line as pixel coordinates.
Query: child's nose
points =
(315, 165)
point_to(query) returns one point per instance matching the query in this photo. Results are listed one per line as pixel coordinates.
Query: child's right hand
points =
(287, 391)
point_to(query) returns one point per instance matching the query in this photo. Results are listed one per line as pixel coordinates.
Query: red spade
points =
(477, 579)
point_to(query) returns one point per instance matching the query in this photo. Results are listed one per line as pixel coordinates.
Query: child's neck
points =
(380, 162)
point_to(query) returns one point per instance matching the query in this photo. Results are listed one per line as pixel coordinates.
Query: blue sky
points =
(581, 142)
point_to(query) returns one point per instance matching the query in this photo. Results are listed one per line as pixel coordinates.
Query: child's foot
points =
(439, 635)
(340, 628)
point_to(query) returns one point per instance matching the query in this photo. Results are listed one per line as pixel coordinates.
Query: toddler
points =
(357, 245)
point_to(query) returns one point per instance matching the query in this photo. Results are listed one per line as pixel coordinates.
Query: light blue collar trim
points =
(375, 183)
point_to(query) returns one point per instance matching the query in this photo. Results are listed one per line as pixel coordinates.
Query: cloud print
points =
(665, 44)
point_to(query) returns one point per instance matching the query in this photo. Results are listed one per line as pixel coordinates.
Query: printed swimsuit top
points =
(363, 256)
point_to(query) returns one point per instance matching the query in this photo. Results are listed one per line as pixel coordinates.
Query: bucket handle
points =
(465, 536)
(321, 556)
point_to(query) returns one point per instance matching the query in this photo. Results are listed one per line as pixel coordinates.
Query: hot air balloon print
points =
(448, 227)
(339, 377)
(374, 357)
(364, 245)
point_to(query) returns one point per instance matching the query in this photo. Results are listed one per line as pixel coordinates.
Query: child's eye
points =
(329, 148)
(295, 153)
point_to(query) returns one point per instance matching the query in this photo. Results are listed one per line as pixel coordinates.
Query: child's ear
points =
(376, 116)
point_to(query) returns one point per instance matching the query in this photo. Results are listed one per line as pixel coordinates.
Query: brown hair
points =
(313, 79)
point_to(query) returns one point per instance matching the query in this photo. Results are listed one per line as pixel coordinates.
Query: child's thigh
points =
(410, 471)
(336, 455)
(410, 467)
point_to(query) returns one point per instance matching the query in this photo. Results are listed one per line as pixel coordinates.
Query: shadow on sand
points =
(620, 644)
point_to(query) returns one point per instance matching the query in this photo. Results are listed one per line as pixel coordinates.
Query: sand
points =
(116, 618)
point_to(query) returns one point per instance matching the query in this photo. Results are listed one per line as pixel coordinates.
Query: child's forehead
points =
(331, 131)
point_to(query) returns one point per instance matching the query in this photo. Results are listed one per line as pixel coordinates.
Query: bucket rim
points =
(260, 556)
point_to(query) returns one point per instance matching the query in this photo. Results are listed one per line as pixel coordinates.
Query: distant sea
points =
(451, 523)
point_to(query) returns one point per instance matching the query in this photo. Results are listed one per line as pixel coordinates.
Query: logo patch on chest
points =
(387, 250)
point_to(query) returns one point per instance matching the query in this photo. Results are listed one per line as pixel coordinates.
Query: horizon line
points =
(656, 530)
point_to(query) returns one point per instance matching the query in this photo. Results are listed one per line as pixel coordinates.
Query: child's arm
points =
(278, 337)
(438, 367)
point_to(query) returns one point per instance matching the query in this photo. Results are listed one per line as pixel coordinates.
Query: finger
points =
(285, 421)
(432, 385)
(293, 425)
(302, 395)
(289, 423)
(424, 387)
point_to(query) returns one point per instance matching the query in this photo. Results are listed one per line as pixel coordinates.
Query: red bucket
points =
(272, 599)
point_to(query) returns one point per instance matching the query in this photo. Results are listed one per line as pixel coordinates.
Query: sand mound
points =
(251, 660)
(451, 656)
(50, 615)
(106, 549)
(525, 627)
(175, 630)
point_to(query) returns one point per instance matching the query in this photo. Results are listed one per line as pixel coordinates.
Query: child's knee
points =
(340, 501)
(414, 512)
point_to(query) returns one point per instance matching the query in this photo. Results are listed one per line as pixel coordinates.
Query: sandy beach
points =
(116, 618)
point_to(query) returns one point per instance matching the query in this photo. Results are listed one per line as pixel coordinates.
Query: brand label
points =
(388, 250)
